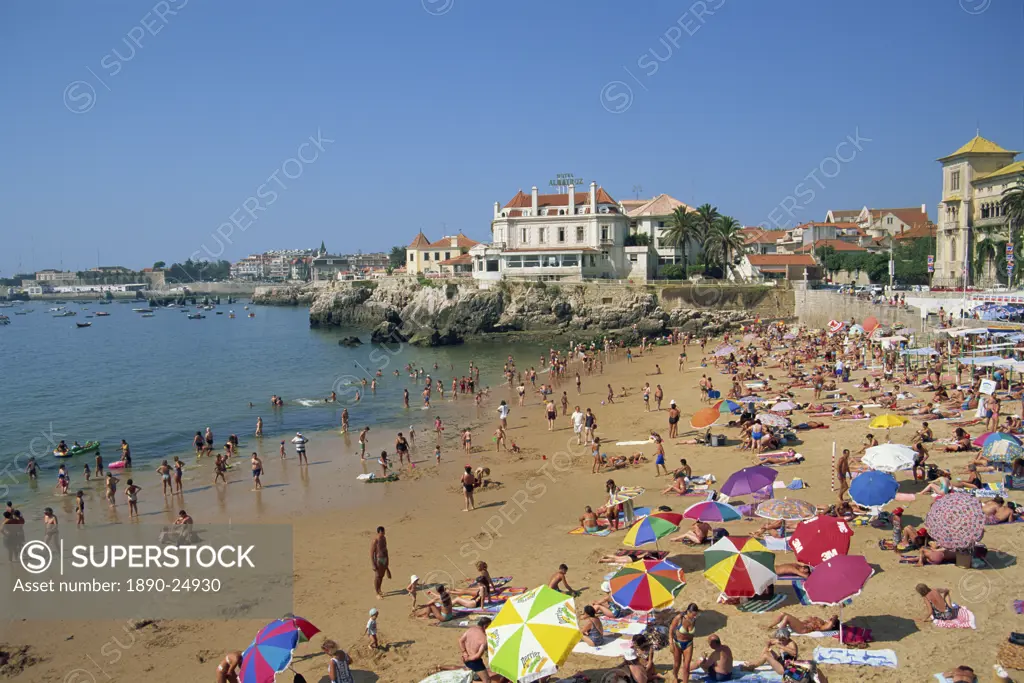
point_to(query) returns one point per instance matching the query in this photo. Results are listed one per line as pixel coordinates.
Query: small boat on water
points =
(246, 307)
(142, 310)
(56, 309)
(84, 324)
(231, 314)
(4, 320)
(89, 447)
(64, 314)
(21, 313)
(101, 314)
(195, 316)
(252, 315)
(147, 315)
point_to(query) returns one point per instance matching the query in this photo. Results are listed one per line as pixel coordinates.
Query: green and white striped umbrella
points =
(532, 635)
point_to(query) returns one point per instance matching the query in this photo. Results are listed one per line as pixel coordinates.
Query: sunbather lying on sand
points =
(698, 533)
(785, 458)
(793, 569)
(935, 554)
(802, 626)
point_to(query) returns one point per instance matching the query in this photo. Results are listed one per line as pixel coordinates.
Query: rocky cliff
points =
(438, 314)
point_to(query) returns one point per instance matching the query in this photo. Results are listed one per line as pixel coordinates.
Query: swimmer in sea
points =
(344, 420)
(259, 427)
(165, 477)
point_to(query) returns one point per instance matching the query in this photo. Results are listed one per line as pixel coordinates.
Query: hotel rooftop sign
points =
(565, 180)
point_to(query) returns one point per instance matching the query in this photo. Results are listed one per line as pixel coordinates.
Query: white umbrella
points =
(772, 420)
(783, 406)
(890, 457)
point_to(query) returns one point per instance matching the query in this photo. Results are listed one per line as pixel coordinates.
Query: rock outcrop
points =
(437, 314)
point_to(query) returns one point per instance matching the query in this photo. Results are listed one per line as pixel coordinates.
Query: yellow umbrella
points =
(888, 421)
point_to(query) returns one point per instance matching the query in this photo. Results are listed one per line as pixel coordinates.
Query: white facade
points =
(653, 218)
(55, 276)
(555, 237)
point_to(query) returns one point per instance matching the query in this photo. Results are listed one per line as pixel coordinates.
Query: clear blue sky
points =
(441, 107)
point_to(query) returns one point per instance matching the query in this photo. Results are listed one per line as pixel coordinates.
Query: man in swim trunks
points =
(227, 670)
(473, 646)
(379, 560)
(363, 437)
(558, 579)
(717, 664)
(469, 482)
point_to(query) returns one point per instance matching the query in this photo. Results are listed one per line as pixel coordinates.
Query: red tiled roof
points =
(525, 201)
(838, 245)
(420, 241)
(458, 260)
(446, 242)
(761, 236)
(762, 260)
(916, 232)
(912, 216)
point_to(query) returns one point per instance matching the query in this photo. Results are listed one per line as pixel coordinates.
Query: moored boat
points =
(83, 324)
(88, 447)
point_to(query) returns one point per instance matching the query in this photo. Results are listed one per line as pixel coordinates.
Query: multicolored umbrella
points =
(956, 521)
(836, 326)
(652, 527)
(819, 539)
(532, 635)
(712, 511)
(786, 509)
(725, 406)
(705, 417)
(626, 493)
(305, 628)
(991, 437)
(646, 585)
(873, 489)
(836, 580)
(783, 407)
(1002, 451)
(748, 480)
(889, 457)
(888, 421)
(739, 566)
(773, 420)
(725, 351)
(270, 652)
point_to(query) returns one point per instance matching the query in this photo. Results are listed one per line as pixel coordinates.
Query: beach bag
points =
(719, 534)
(799, 672)
(855, 635)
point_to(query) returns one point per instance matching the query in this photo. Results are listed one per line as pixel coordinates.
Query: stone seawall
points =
(815, 307)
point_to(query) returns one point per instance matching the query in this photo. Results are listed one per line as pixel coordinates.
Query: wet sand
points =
(521, 529)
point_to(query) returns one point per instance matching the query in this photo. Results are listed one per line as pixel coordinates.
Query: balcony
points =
(607, 242)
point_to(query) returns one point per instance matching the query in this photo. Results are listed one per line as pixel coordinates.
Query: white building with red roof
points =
(568, 236)
(424, 257)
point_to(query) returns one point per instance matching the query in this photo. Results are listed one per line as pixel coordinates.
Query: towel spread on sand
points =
(779, 544)
(964, 619)
(760, 676)
(1018, 606)
(761, 606)
(842, 655)
(633, 443)
(613, 647)
(627, 625)
(818, 634)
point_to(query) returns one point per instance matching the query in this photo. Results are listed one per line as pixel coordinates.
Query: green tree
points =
(398, 257)
(706, 216)
(673, 271)
(638, 240)
(159, 265)
(682, 227)
(723, 242)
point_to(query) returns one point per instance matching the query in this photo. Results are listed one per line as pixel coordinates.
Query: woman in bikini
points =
(940, 607)
(433, 611)
(804, 626)
(681, 632)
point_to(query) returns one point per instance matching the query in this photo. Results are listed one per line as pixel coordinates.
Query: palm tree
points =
(1013, 207)
(724, 241)
(706, 216)
(682, 227)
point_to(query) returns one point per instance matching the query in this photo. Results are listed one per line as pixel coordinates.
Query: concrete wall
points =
(233, 288)
(774, 302)
(815, 307)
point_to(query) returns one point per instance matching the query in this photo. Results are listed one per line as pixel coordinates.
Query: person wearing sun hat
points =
(413, 588)
(897, 528)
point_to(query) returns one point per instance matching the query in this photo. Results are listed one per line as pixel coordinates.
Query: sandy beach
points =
(521, 530)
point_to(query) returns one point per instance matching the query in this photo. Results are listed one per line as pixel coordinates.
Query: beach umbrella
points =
(712, 511)
(870, 323)
(739, 566)
(1002, 451)
(887, 421)
(748, 480)
(991, 437)
(783, 407)
(532, 635)
(889, 457)
(725, 350)
(305, 628)
(646, 585)
(837, 580)
(651, 528)
(856, 329)
(750, 399)
(956, 521)
(626, 493)
(773, 420)
(270, 652)
(873, 489)
(821, 538)
(455, 676)
(786, 509)
(705, 417)
(726, 406)
(836, 326)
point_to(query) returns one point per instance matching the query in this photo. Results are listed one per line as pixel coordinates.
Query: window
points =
(593, 261)
(550, 261)
(604, 233)
(661, 224)
(447, 255)
(888, 220)
(437, 256)
(524, 236)
(570, 260)
(632, 258)
(542, 235)
(514, 262)
(426, 256)
(412, 256)
(492, 265)
(579, 233)
(954, 181)
(604, 255)
(561, 235)
(531, 261)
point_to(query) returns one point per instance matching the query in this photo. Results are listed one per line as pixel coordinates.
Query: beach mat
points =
(613, 647)
(629, 625)
(498, 582)
(842, 655)
(602, 523)
(1018, 606)
(634, 443)
(964, 619)
(759, 676)
(761, 606)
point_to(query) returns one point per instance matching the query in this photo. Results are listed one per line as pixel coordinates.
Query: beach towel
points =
(762, 606)
(796, 485)
(634, 443)
(964, 619)
(627, 625)
(841, 655)
(818, 634)
(801, 594)
(906, 497)
(759, 676)
(778, 544)
(614, 646)
(1018, 606)
(602, 531)
(497, 582)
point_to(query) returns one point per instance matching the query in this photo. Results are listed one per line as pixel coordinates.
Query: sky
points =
(137, 132)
